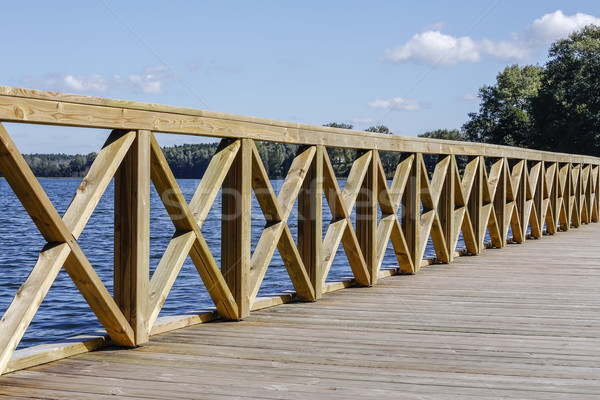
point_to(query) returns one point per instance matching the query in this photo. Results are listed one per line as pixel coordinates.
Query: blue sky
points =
(412, 66)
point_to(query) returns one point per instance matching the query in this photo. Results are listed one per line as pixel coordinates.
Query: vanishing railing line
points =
(496, 190)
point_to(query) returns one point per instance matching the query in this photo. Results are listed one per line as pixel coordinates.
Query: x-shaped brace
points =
(62, 247)
(341, 204)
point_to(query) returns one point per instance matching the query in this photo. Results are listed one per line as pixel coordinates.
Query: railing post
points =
(576, 210)
(498, 201)
(588, 193)
(310, 222)
(520, 202)
(536, 215)
(366, 217)
(475, 204)
(553, 199)
(411, 211)
(548, 190)
(132, 236)
(446, 206)
(565, 220)
(235, 227)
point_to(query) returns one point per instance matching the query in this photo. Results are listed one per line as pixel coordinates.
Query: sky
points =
(412, 66)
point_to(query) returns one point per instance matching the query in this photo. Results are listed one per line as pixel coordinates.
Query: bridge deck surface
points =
(521, 322)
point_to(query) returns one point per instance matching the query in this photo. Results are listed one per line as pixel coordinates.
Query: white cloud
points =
(432, 47)
(397, 103)
(151, 81)
(92, 83)
(505, 50)
(555, 26)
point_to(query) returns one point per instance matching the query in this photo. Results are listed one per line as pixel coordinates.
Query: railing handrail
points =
(53, 108)
(497, 190)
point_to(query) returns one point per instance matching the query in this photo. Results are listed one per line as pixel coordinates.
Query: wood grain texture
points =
(52, 257)
(411, 209)
(62, 249)
(310, 222)
(276, 234)
(529, 331)
(366, 217)
(501, 191)
(341, 228)
(389, 227)
(36, 106)
(132, 236)
(235, 228)
(187, 222)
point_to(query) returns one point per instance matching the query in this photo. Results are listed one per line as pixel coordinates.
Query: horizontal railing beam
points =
(40, 107)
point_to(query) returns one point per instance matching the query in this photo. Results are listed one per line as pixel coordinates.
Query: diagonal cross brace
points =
(430, 220)
(62, 248)
(277, 210)
(188, 237)
(389, 226)
(341, 229)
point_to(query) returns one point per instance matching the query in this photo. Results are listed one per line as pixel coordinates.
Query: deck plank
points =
(518, 323)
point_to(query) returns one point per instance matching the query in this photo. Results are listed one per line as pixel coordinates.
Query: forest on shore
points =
(189, 161)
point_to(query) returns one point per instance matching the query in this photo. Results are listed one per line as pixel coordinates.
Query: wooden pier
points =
(520, 323)
(520, 320)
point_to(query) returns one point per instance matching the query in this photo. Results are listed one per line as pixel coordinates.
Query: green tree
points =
(504, 115)
(340, 125)
(389, 160)
(445, 134)
(379, 129)
(341, 158)
(567, 110)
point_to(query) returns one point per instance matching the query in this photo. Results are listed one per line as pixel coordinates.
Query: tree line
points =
(59, 165)
(189, 161)
(553, 107)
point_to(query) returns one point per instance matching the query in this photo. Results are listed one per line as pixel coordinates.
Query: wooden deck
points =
(521, 322)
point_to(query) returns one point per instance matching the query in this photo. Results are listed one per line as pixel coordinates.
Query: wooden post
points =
(587, 185)
(475, 204)
(500, 205)
(310, 222)
(366, 217)
(554, 198)
(132, 236)
(576, 210)
(521, 200)
(446, 206)
(537, 198)
(411, 210)
(565, 224)
(546, 190)
(235, 228)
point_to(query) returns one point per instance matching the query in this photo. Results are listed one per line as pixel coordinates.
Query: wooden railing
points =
(496, 188)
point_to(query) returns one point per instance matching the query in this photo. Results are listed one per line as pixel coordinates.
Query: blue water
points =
(64, 312)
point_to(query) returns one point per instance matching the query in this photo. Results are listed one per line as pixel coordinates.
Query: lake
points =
(64, 312)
